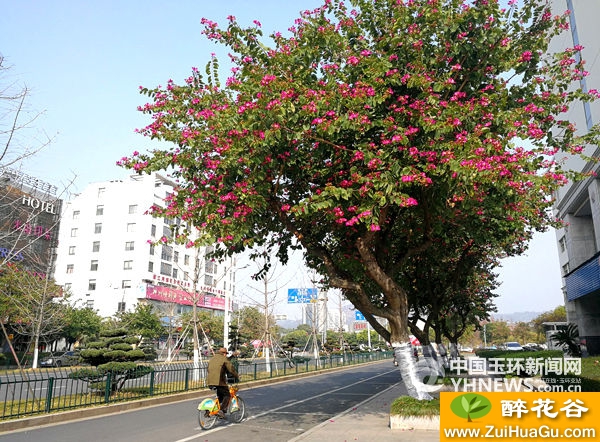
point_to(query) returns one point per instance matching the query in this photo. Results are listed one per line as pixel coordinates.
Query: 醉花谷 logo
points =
(471, 406)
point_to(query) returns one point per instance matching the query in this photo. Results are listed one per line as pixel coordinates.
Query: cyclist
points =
(219, 367)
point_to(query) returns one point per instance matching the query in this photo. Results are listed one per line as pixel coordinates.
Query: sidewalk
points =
(368, 421)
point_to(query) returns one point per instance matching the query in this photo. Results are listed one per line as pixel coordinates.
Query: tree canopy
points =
(371, 135)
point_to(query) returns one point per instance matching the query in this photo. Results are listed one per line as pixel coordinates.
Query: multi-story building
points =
(109, 258)
(29, 221)
(578, 203)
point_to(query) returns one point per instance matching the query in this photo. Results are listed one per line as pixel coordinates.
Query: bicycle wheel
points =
(205, 420)
(236, 409)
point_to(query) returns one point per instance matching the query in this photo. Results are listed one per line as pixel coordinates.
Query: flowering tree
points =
(367, 135)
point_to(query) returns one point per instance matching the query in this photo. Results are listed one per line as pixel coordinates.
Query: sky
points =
(84, 62)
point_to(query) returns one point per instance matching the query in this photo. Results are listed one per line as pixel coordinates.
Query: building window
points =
(563, 244)
(175, 256)
(210, 266)
(98, 228)
(131, 227)
(153, 230)
(96, 246)
(174, 273)
(208, 280)
(127, 265)
(71, 250)
(94, 265)
(74, 232)
(67, 287)
(132, 209)
(121, 307)
(76, 214)
(150, 266)
(186, 260)
(89, 303)
(129, 245)
(186, 276)
(166, 269)
(566, 269)
(101, 191)
(126, 284)
(167, 232)
(92, 284)
(166, 253)
(99, 210)
(70, 268)
(152, 249)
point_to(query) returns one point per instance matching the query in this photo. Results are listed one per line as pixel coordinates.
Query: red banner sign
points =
(167, 294)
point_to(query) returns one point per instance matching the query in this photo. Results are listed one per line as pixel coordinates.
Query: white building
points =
(107, 262)
(578, 204)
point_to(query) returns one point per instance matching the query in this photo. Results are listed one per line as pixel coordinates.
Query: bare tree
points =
(17, 121)
(29, 215)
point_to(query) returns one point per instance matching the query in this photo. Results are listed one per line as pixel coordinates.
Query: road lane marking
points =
(274, 410)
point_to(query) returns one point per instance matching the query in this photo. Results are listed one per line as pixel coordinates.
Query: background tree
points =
(210, 327)
(559, 314)
(497, 332)
(251, 321)
(35, 305)
(145, 322)
(15, 119)
(300, 336)
(522, 332)
(81, 324)
(367, 135)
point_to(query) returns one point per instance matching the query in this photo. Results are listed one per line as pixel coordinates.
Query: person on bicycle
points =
(219, 367)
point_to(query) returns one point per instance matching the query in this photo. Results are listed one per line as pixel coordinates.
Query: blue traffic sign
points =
(302, 296)
(358, 316)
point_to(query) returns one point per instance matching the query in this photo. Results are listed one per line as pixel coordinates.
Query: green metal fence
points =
(48, 390)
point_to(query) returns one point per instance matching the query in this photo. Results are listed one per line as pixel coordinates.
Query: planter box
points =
(398, 422)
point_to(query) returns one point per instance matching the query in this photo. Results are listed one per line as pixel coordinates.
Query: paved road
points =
(276, 412)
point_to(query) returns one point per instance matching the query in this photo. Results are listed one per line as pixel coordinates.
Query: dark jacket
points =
(218, 367)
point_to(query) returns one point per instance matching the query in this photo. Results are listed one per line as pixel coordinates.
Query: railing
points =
(50, 390)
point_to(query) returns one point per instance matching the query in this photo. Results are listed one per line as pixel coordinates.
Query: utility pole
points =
(267, 342)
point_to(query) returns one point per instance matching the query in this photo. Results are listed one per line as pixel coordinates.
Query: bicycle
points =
(208, 409)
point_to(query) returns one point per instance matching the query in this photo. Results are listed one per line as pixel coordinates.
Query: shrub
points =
(410, 406)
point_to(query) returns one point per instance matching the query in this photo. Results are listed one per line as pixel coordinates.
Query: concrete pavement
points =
(367, 421)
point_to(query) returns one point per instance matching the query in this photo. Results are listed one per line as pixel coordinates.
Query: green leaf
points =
(465, 404)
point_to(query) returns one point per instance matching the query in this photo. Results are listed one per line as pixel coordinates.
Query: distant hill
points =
(517, 316)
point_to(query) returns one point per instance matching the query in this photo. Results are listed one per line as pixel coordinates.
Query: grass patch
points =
(507, 354)
(589, 379)
(410, 406)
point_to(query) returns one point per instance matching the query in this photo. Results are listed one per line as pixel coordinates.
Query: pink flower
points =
(525, 56)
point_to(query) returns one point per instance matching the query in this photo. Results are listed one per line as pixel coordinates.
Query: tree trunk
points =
(453, 350)
(443, 353)
(409, 372)
(431, 358)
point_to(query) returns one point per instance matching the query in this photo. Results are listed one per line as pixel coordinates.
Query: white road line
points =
(204, 433)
